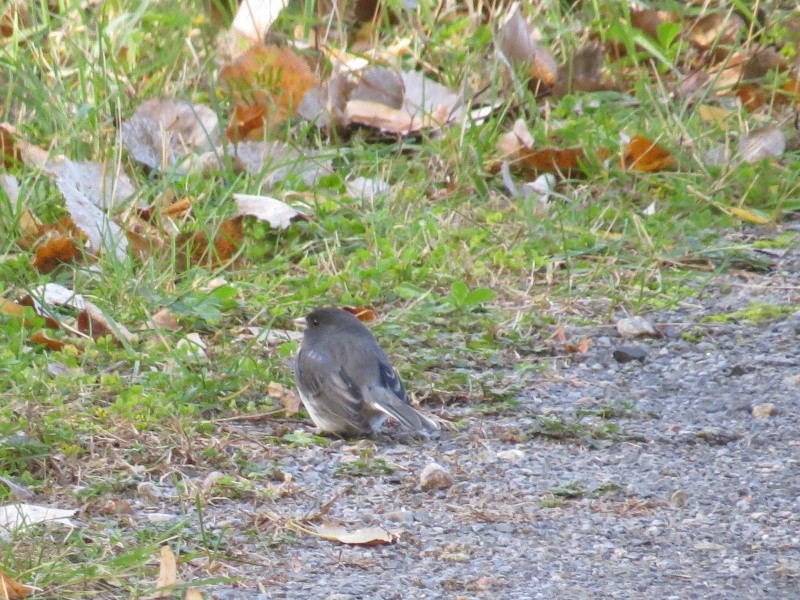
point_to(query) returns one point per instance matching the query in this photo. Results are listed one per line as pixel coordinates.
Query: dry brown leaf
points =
(649, 20)
(364, 536)
(165, 319)
(11, 589)
(15, 148)
(520, 50)
(267, 84)
(179, 207)
(642, 154)
(227, 241)
(791, 93)
(278, 214)
(721, 29)
(162, 132)
(167, 571)
(583, 72)
(288, 398)
(8, 148)
(94, 320)
(15, 17)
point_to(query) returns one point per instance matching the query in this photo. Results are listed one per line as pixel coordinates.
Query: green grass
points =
(469, 280)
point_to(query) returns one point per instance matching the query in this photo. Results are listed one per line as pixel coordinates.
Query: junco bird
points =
(346, 381)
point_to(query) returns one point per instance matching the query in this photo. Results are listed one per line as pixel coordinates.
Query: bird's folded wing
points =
(320, 377)
(384, 400)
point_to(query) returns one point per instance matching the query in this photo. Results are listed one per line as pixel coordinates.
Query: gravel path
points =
(696, 495)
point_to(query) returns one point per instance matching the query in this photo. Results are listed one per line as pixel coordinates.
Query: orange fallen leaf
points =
(366, 314)
(791, 93)
(11, 589)
(267, 84)
(40, 337)
(750, 96)
(568, 162)
(641, 154)
(226, 243)
(57, 249)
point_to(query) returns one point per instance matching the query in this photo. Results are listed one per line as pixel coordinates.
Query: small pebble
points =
(512, 455)
(435, 477)
(765, 410)
(627, 353)
(631, 327)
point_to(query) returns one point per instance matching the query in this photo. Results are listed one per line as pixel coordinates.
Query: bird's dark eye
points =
(315, 321)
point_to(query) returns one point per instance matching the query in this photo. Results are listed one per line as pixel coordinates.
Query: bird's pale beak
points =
(300, 323)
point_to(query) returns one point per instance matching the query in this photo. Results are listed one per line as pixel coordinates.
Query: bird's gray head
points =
(327, 320)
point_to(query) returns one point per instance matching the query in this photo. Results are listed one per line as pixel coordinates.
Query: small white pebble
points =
(512, 455)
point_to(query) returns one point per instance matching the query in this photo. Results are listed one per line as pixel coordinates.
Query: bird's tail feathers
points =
(405, 414)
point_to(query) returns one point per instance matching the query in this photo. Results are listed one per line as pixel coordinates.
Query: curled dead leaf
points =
(289, 399)
(363, 536)
(642, 154)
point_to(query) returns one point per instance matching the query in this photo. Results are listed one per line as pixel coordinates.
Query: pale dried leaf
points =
(383, 117)
(765, 143)
(163, 131)
(10, 185)
(424, 96)
(167, 569)
(288, 398)
(105, 186)
(193, 346)
(366, 188)
(275, 161)
(193, 594)
(17, 516)
(278, 214)
(254, 18)
(103, 234)
(17, 491)
(364, 536)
